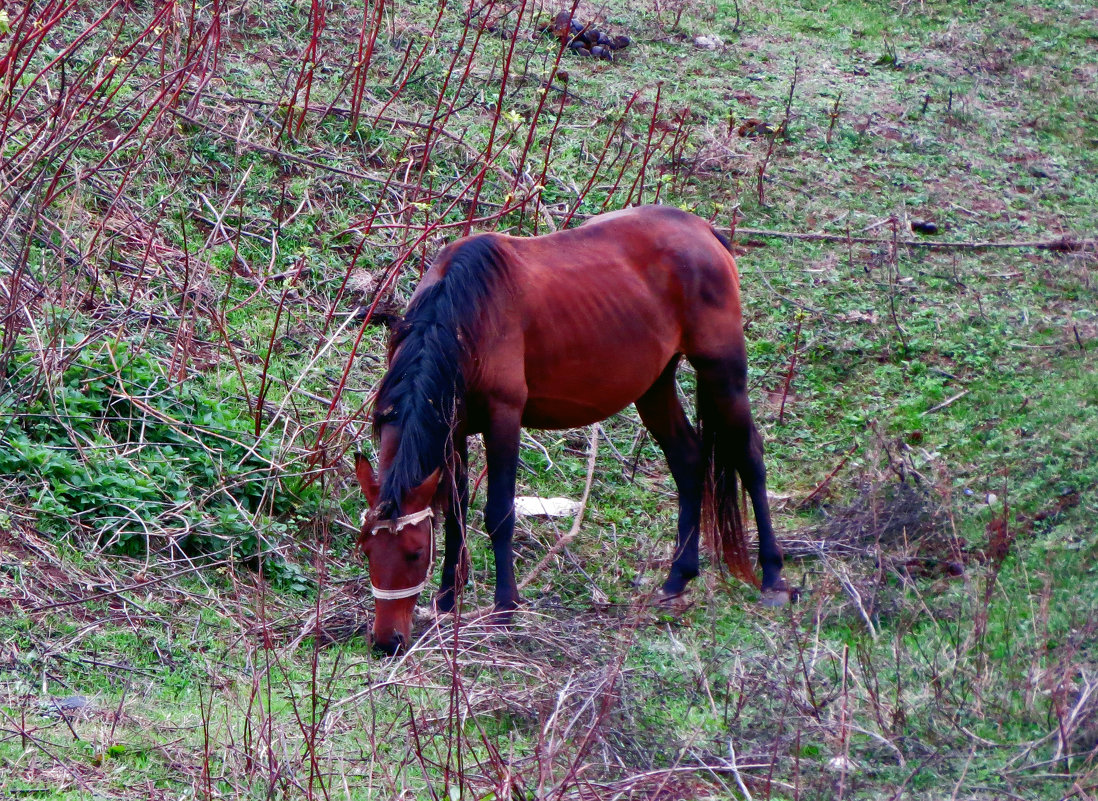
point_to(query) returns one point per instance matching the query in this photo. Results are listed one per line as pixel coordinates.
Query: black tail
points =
(722, 519)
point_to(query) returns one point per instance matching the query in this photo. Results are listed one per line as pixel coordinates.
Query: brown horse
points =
(561, 331)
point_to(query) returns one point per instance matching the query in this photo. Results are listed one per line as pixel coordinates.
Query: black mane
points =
(424, 388)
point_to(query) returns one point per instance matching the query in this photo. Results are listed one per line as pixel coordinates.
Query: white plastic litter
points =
(532, 506)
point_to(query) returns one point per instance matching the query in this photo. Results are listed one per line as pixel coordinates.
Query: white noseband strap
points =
(396, 595)
(395, 526)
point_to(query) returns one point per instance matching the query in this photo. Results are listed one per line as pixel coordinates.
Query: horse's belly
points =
(579, 390)
(560, 413)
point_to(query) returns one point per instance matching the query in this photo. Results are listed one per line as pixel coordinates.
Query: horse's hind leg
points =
(663, 415)
(753, 473)
(724, 409)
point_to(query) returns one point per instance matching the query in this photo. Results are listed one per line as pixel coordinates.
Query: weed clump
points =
(102, 443)
(888, 514)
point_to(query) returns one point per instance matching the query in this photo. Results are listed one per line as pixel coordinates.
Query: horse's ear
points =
(366, 478)
(421, 496)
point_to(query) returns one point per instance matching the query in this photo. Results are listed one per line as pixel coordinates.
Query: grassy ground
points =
(202, 207)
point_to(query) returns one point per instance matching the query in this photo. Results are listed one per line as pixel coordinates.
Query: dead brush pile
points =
(899, 521)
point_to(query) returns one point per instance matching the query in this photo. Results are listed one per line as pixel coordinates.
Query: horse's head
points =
(399, 548)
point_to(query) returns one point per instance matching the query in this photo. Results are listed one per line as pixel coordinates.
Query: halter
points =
(395, 527)
(401, 522)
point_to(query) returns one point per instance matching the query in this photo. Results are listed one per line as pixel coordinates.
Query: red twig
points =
(827, 479)
(792, 367)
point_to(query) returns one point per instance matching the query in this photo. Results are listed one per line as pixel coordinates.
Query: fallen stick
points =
(944, 403)
(1064, 244)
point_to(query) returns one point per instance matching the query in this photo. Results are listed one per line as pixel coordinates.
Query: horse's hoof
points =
(778, 595)
(676, 585)
(668, 597)
(501, 617)
(672, 603)
(775, 598)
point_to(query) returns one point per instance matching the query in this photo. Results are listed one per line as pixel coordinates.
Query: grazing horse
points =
(560, 331)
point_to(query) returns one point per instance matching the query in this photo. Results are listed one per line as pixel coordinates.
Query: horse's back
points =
(655, 265)
(680, 255)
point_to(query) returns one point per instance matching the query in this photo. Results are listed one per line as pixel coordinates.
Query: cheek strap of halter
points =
(401, 522)
(395, 526)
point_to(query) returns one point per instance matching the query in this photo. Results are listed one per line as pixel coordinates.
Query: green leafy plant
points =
(109, 446)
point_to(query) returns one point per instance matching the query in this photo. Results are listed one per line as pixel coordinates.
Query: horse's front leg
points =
(501, 448)
(455, 558)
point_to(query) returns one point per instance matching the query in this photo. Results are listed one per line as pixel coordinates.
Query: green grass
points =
(938, 421)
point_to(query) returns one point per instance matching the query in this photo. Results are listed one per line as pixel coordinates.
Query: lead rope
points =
(395, 526)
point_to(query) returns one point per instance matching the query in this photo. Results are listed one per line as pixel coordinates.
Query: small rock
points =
(842, 764)
(598, 51)
(924, 227)
(66, 706)
(621, 42)
(708, 42)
